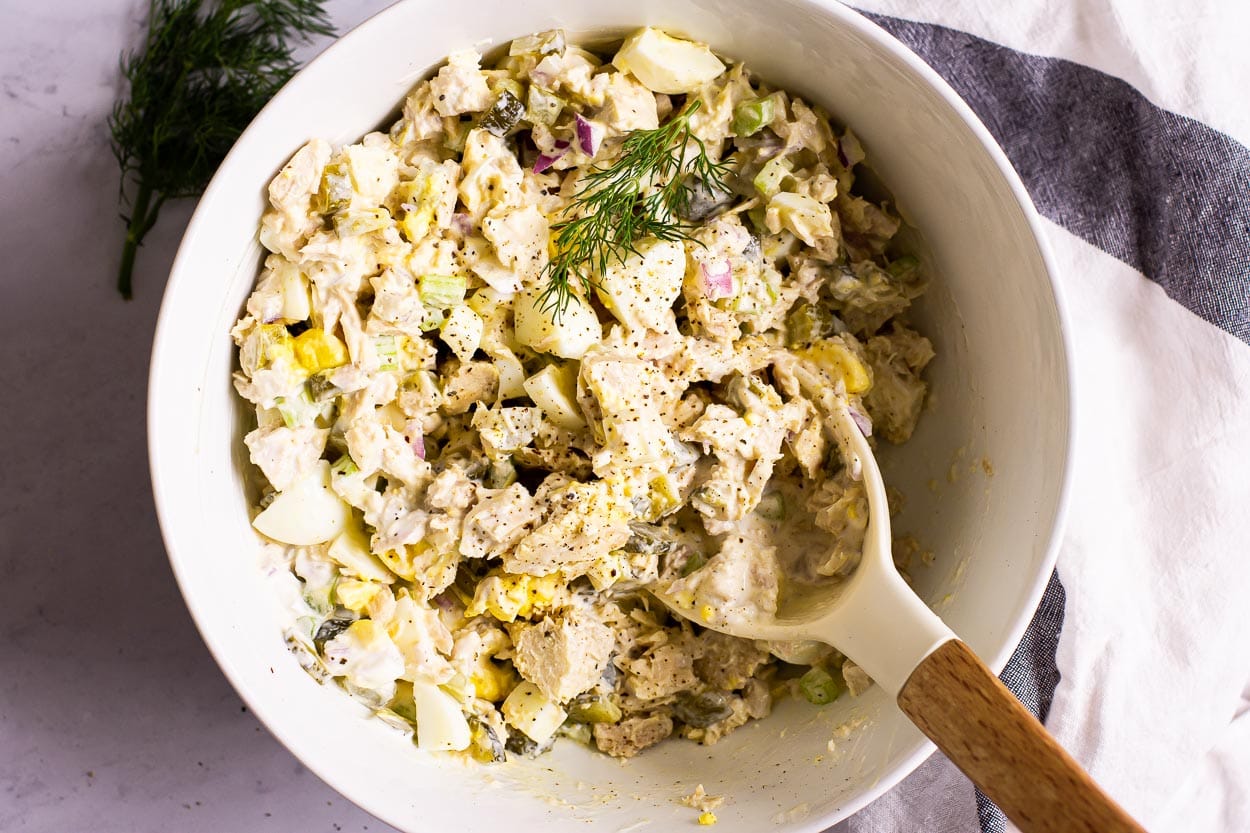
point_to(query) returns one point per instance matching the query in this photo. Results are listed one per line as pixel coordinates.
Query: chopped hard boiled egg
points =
(528, 710)
(316, 350)
(836, 359)
(665, 64)
(554, 390)
(640, 290)
(307, 513)
(366, 656)
(562, 368)
(441, 726)
(351, 550)
(568, 333)
(462, 331)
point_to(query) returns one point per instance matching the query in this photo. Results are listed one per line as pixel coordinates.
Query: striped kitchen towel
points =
(1128, 122)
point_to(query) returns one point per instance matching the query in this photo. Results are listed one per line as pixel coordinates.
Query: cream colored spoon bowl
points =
(875, 619)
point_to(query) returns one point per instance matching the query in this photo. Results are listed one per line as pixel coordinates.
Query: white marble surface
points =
(113, 716)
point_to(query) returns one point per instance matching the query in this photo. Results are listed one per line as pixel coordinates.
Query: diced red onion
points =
(718, 279)
(444, 601)
(545, 160)
(588, 134)
(462, 223)
(846, 163)
(861, 420)
(416, 438)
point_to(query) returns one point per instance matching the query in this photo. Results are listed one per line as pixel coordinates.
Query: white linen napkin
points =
(1127, 127)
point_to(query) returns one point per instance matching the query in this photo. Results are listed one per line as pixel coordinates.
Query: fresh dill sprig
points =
(204, 71)
(643, 193)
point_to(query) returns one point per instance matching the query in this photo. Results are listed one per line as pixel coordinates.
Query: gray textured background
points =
(113, 716)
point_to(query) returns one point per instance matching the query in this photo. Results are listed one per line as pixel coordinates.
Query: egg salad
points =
(484, 436)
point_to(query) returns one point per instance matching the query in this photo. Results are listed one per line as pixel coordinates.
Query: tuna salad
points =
(570, 332)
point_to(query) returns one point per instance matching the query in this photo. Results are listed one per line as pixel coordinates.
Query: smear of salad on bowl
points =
(570, 330)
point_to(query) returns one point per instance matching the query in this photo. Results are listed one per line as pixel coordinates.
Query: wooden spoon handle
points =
(1003, 749)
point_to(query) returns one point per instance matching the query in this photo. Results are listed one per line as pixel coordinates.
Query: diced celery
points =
(432, 319)
(298, 411)
(387, 348)
(442, 291)
(543, 43)
(750, 117)
(335, 192)
(355, 222)
(344, 466)
(542, 107)
(819, 687)
(768, 180)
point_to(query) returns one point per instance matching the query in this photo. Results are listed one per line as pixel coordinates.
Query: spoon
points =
(876, 620)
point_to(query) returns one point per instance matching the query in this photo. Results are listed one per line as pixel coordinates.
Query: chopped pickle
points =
(335, 192)
(542, 107)
(594, 710)
(807, 323)
(905, 269)
(503, 114)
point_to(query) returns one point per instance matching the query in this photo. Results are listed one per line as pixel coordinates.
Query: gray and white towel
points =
(1128, 122)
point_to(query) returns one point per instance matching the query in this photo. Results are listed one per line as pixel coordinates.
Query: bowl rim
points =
(165, 332)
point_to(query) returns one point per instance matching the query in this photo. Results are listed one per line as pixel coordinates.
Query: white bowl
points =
(1000, 394)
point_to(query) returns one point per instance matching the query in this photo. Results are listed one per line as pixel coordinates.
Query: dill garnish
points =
(204, 71)
(643, 193)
